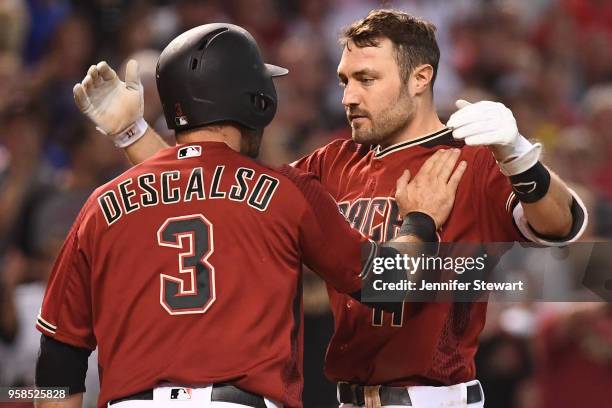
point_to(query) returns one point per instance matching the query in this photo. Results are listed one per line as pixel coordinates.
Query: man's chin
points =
(363, 137)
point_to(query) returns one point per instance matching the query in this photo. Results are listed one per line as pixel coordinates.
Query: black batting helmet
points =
(215, 73)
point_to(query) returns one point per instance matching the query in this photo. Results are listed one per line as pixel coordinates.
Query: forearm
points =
(74, 401)
(417, 237)
(406, 239)
(551, 215)
(390, 269)
(61, 365)
(149, 144)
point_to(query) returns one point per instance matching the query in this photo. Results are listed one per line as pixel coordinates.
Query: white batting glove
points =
(116, 107)
(492, 124)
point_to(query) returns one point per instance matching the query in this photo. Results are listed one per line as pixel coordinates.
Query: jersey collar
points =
(432, 137)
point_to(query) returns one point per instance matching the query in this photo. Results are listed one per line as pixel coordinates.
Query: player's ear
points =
(421, 78)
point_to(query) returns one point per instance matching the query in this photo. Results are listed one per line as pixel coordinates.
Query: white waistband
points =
(180, 396)
(452, 396)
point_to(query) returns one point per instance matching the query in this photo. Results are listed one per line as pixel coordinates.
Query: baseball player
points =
(185, 270)
(422, 355)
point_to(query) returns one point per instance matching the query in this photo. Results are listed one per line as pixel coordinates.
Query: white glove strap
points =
(523, 157)
(131, 135)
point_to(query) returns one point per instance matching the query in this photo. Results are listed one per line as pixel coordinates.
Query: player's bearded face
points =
(377, 102)
(385, 121)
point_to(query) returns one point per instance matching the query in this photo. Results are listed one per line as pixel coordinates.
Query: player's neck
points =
(226, 134)
(422, 124)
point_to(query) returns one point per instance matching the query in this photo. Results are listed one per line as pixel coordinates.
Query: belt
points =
(220, 393)
(354, 394)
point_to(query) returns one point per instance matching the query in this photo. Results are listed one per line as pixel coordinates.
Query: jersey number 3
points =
(193, 234)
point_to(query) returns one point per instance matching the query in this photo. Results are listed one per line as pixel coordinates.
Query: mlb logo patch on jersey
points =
(180, 394)
(189, 151)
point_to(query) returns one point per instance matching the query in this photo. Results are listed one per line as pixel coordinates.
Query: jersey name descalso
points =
(171, 187)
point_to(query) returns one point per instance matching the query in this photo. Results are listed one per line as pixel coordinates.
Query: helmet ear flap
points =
(262, 102)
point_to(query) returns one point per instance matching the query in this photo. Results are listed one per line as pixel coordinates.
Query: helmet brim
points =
(276, 71)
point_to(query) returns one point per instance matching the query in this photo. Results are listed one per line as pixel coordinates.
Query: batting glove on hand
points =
(492, 124)
(116, 107)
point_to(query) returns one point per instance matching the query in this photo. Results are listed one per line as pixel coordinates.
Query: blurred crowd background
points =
(549, 61)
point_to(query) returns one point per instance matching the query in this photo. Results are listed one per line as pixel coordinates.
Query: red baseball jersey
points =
(187, 269)
(427, 343)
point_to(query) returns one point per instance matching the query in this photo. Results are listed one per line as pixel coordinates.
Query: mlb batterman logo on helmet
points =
(215, 73)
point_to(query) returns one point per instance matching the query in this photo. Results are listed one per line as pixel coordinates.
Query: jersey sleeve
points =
(66, 313)
(504, 213)
(497, 200)
(312, 163)
(338, 253)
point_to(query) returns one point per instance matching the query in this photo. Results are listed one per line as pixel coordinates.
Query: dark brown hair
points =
(414, 39)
